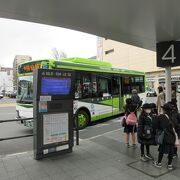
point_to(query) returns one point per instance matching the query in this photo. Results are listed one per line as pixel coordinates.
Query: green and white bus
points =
(100, 89)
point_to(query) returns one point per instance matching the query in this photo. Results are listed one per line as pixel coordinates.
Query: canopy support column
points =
(168, 83)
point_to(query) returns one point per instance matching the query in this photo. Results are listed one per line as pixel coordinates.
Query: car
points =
(12, 94)
(151, 93)
(1, 96)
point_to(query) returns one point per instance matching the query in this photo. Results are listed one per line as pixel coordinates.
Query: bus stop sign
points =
(168, 53)
(53, 112)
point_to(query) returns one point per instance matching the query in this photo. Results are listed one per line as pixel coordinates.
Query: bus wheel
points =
(83, 119)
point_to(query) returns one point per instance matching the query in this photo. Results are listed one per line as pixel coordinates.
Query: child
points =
(146, 135)
(168, 125)
(176, 120)
(154, 111)
(130, 129)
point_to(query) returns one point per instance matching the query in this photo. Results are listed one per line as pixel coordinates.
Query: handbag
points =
(176, 139)
(159, 137)
(123, 122)
(147, 132)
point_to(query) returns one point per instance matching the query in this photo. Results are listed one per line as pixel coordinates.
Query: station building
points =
(131, 57)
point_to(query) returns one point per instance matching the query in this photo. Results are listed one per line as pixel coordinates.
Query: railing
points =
(30, 135)
(15, 137)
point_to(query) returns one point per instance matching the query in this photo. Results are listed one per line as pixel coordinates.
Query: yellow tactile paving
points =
(8, 105)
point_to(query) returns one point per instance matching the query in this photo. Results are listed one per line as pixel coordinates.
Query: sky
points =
(37, 41)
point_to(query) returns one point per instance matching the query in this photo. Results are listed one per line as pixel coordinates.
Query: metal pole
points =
(168, 83)
(77, 131)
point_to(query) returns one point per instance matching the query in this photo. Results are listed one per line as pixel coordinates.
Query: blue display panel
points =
(55, 86)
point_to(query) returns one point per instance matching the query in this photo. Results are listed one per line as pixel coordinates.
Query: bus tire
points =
(83, 119)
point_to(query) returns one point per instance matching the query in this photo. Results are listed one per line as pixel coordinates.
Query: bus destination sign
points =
(28, 67)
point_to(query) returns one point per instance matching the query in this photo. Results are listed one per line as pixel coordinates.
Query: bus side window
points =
(126, 85)
(78, 87)
(94, 86)
(104, 87)
(138, 83)
(115, 85)
(86, 86)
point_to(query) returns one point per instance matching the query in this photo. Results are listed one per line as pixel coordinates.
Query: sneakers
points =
(127, 145)
(156, 164)
(149, 157)
(175, 156)
(159, 165)
(170, 167)
(143, 158)
(134, 146)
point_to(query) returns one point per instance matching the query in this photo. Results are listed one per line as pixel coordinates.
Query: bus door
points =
(126, 88)
(117, 100)
(104, 107)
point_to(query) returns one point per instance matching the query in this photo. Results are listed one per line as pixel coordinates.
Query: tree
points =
(58, 54)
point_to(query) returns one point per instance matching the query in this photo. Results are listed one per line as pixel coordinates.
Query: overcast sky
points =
(37, 40)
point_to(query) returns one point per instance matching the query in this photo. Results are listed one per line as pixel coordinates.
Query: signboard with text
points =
(53, 112)
(168, 53)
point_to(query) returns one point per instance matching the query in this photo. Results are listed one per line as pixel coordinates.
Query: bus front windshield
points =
(25, 88)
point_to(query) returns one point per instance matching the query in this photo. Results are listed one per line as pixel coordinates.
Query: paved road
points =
(7, 111)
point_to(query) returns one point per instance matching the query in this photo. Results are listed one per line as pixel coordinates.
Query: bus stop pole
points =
(77, 131)
(168, 83)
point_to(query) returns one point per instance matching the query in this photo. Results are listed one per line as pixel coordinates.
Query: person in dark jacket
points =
(135, 97)
(154, 115)
(176, 120)
(168, 125)
(146, 135)
(129, 129)
(153, 109)
(136, 100)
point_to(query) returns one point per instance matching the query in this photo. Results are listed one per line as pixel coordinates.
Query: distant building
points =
(17, 60)
(6, 79)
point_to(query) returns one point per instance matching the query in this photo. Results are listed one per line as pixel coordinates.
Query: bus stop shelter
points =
(139, 23)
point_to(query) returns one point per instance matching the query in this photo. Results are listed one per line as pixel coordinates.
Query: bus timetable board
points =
(53, 112)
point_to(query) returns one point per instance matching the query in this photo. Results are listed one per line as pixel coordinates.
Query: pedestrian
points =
(130, 129)
(154, 115)
(176, 120)
(173, 94)
(145, 133)
(154, 111)
(160, 100)
(169, 128)
(136, 100)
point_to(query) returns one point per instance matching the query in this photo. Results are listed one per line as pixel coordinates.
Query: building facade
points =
(6, 79)
(130, 57)
(17, 60)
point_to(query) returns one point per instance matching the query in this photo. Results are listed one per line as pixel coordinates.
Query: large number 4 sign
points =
(171, 57)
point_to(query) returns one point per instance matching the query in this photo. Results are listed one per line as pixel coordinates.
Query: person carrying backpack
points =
(130, 122)
(145, 133)
(136, 100)
(135, 97)
(168, 128)
(154, 111)
(176, 120)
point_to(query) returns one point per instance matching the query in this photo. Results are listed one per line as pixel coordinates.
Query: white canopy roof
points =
(138, 22)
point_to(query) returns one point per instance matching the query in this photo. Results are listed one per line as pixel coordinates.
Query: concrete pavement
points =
(102, 157)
